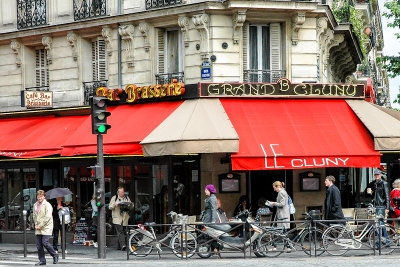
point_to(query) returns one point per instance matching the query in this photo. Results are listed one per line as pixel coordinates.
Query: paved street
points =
(12, 255)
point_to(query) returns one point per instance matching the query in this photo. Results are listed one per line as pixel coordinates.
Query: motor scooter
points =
(220, 236)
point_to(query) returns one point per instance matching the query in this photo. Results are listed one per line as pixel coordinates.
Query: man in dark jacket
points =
(333, 203)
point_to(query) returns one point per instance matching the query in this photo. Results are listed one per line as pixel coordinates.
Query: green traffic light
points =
(98, 204)
(101, 129)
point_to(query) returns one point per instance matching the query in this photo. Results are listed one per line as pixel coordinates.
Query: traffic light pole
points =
(101, 232)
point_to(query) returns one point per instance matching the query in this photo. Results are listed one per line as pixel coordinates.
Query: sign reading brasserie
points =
(133, 93)
(38, 99)
(282, 88)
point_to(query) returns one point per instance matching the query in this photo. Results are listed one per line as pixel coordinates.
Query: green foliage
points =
(392, 63)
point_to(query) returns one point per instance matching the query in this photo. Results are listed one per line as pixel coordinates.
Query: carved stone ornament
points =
(201, 22)
(144, 29)
(126, 32)
(72, 39)
(16, 48)
(183, 23)
(47, 41)
(238, 19)
(298, 21)
(106, 32)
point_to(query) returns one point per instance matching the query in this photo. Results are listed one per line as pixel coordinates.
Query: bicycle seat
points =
(150, 223)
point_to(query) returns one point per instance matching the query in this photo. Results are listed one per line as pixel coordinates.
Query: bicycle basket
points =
(181, 219)
(315, 214)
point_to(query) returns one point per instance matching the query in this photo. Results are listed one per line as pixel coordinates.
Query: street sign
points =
(206, 70)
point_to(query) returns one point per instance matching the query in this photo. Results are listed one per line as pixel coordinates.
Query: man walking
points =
(120, 206)
(333, 203)
(43, 219)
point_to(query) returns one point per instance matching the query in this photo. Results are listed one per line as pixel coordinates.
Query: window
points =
(99, 63)
(42, 68)
(170, 57)
(262, 53)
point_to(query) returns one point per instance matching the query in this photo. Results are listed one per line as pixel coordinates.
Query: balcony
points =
(87, 9)
(90, 88)
(150, 4)
(31, 13)
(38, 88)
(262, 76)
(166, 78)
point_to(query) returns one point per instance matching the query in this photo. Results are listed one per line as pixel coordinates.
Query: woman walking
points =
(210, 211)
(281, 204)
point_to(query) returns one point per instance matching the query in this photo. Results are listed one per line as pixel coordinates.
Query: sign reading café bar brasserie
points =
(282, 88)
(37, 99)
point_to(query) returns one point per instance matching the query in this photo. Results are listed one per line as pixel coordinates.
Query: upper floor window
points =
(86, 9)
(170, 56)
(42, 68)
(99, 60)
(262, 46)
(31, 13)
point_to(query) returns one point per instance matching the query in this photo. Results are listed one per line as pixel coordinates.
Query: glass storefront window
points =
(29, 193)
(3, 199)
(14, 199)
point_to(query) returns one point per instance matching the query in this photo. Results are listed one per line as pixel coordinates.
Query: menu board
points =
(81, 232)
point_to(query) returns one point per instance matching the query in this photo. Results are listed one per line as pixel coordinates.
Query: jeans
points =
(383, 233)
(43, 241)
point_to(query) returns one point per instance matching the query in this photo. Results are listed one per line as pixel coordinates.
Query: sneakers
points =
(272, 249)
(55, 259)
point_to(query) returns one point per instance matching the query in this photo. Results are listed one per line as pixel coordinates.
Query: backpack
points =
(292, 209)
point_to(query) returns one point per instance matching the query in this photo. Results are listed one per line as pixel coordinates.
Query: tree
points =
(392, 63)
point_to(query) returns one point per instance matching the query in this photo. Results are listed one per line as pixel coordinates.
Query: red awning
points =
(36, 137)
(130, 124)
(298, 134)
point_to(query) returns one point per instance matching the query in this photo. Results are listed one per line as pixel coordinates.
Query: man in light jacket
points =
(120, 214)
(43, 219)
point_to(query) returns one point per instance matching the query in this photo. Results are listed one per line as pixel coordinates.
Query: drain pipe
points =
(119, 49)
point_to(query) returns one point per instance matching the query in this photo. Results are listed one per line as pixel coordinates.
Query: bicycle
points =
(274, 241)
(338, 239)
(142, 241)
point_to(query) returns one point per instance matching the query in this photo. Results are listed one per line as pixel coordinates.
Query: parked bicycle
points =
(143, 239)
(338, 239)
(275, 241)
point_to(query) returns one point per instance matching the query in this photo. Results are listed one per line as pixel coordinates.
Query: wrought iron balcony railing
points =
(262, 76)
(150, 4)
(86, 9)
(38, 88)
(89, 89)
(165, 78)
(31, 13)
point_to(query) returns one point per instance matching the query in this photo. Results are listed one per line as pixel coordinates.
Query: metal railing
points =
(38, 88)
(150, 4)
(31, 13)
(89, 89)
(262, 76)
(166, 78)
(87, 9)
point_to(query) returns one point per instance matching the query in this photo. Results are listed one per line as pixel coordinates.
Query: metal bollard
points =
(63, 234)
(24, 212)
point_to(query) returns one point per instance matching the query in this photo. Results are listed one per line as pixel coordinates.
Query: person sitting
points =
(243, 205)
(222, 218)
(262, 210)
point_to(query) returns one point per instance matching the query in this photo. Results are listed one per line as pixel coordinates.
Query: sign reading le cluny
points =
(282, 88)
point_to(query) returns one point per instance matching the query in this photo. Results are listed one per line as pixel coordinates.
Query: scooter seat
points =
(222, 227)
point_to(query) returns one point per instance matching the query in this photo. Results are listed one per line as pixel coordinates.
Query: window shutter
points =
(99, 60)
(42, 69)
(245, 45)
(275, 41)
(161, 48)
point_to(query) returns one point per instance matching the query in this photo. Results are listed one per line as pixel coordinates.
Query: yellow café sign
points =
(133, 93)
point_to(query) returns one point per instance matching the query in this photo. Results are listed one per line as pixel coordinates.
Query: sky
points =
(391, 48)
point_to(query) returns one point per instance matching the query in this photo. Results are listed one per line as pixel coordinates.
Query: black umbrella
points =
(57, 192)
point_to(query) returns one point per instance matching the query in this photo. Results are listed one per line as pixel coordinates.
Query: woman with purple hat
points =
(210, 211)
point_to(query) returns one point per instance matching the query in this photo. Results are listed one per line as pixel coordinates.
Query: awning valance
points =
(298, 134)
(196, 126)
(381, 122)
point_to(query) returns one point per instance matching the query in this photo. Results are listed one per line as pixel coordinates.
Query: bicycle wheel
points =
(336, 239)
(316, 242)
(270, 244)
(387, 244)
(185, 243)
(140, 243)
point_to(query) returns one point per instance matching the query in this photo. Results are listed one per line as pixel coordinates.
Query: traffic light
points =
(98, 196)
(99, 115)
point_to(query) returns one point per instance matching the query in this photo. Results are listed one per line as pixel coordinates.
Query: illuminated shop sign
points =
(132, 93)
(282, 88)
